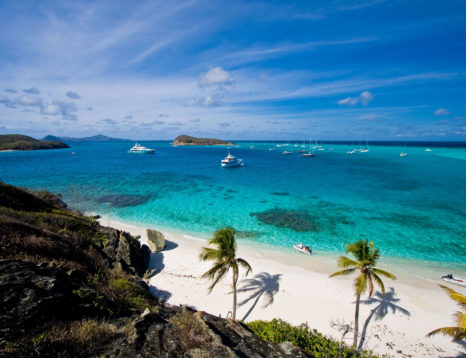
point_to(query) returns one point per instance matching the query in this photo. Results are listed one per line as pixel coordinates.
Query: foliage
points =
(186, 139)
(310, 341)
(457, 332)
(22, 142)
(190, 330)
(366, 256)
(84, 338)
(224, 257)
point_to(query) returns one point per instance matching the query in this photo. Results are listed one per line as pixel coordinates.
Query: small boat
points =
(351, 151)
(428, 150)
(137, 148)
(231, 161)
(303, 151)
(308, 155)
(304, 249)
(287, 152)
(403, 154)
(453, 279)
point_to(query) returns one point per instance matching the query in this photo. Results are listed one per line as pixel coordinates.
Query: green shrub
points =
(312, 342)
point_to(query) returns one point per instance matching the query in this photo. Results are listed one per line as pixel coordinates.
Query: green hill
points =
(188, 140)
(22, 142)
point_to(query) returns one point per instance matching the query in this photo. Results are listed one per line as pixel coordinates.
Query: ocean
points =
(412, 207)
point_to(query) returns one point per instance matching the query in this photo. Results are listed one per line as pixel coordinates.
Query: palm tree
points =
(458, 332)
(224, 257)
(366, 256)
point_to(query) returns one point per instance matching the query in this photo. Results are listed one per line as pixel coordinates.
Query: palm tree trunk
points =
(356, 321)
(234, 296)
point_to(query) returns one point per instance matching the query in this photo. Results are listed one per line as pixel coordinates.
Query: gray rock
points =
(156, 240)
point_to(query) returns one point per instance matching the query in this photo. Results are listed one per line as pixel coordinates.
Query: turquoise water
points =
(412, 207)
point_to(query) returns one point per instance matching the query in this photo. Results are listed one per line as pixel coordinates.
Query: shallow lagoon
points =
(412, 207)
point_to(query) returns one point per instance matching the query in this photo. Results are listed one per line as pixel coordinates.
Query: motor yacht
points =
(137, 148)
(231, 161)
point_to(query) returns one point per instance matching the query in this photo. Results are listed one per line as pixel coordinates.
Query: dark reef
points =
(290, 219)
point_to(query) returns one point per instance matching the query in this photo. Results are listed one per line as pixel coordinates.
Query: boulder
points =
(156, 240)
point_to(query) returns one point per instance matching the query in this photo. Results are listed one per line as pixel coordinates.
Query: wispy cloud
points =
(73, 95)
(442, 112)
(364, 98)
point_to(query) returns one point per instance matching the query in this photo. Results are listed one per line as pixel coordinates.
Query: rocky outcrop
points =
(156, 240)
(181, 332)
(31, 296)
(125, 251)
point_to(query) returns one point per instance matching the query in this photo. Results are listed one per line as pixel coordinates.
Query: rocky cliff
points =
(70, 287)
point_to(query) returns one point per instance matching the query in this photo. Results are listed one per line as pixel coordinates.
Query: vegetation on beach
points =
(459, 331)
(22, 142)
(224, 257)
(366, 256)
(310, 341)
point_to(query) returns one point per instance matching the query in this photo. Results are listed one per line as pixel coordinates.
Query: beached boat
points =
(137, 148)
(303, 249)
(231, 161)
(453, 279)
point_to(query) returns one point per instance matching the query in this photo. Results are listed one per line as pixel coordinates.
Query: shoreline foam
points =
(304, 293)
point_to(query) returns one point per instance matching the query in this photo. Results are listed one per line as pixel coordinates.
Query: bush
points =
(312, 342)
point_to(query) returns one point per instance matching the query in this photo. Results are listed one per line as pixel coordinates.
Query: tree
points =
(458, 332)
(224, 257)
(366, 256)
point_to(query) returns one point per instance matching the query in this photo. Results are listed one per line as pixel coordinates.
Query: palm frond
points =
(371, 284)
(209, 254)
(384, 273)
(379, 282)
(455, 332)
(360, 283)
(346, 262)
(245, 265)
(213, 270)
(343, 272)
(218, 277)
(458, 297)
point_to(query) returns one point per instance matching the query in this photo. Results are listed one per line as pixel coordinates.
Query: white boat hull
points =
(296, 247)
(455, 280)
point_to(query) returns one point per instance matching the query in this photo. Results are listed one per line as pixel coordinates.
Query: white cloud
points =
(442, 112)
(364, 98)
(208, 101)
(29, 101)
(216, 76)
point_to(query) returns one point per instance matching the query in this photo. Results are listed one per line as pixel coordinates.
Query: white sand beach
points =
(297, 289)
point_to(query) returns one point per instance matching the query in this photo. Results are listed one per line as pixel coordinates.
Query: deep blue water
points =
(412, 207)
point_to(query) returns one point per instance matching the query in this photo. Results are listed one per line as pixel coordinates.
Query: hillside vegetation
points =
(22, 142)
(188, 140)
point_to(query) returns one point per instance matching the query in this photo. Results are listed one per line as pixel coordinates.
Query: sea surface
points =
(412, 207)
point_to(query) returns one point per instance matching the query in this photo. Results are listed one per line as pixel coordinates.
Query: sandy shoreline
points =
(302, 292)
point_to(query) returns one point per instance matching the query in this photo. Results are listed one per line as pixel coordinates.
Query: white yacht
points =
(231, 161)
(137, 148)
(286, 152)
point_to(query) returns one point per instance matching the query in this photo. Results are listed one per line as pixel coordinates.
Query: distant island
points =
(188, 140)
(95, 138)
(22, 142)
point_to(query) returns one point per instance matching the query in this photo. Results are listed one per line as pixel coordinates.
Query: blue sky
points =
(342, 70)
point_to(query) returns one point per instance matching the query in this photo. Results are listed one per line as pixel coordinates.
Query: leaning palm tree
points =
(224, 257)
(366, 256)
(458, 332)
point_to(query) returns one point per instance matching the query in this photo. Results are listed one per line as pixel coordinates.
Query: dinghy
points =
(456, 280)
(304, 249)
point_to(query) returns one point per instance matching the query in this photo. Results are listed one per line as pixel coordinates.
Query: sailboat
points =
(309, 153)
(404, 153)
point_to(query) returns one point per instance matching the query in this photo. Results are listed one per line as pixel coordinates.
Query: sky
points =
(278, 70)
